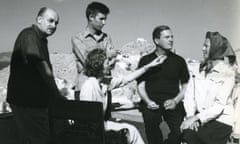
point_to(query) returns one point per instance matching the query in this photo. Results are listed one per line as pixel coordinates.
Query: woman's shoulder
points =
(225, 69)
(90, 82)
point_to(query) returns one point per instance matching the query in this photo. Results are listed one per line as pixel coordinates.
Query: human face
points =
(98, 21)
(166, 40)
(206, 48)
(48, 22)
(108, 65)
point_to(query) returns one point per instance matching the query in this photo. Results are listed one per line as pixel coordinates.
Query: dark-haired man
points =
(159, 89)
(90, 38)
(31, 85)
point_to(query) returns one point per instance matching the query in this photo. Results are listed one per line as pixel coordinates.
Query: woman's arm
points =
(222, 95)
(117, 82)
(132, 76)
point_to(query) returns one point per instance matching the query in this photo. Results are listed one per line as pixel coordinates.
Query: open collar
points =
(39, 32)
(87, 34)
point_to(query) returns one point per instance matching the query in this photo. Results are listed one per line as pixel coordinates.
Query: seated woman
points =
(96, 87)
(208, 101)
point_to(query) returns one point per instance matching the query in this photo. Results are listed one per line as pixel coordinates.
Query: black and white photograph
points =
(119, 72)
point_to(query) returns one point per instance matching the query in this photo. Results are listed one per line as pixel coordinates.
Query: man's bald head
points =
(47, 20)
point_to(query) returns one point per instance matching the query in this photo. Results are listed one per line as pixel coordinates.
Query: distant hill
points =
(4, 59)
(3, 65)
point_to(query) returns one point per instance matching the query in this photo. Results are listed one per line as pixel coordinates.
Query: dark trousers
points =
(173, 118)
(211, 133)
(32, 124)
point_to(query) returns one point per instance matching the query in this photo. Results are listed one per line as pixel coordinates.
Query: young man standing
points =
(159, 89)
(90, 38)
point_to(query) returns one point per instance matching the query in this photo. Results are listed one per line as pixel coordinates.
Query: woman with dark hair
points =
(208, 101)
(220, 48)
(97, 87)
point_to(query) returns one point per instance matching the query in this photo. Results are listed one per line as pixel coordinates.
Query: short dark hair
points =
(94, 63)
(96, 7)
(157, 31)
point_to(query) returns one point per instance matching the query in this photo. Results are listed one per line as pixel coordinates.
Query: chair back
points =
(79, 122)
(8, 129)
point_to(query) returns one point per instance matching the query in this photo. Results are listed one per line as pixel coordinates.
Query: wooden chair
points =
(87, 122)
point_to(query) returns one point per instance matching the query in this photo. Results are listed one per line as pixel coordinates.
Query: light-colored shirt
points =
(83, 43)
(210, 96)
(92, 90)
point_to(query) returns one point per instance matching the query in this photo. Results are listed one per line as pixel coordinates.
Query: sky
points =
(129, 20)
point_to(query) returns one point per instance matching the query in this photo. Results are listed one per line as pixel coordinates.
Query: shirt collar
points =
(39, 32)
(218, 67)
(170, 53)
(87, 33)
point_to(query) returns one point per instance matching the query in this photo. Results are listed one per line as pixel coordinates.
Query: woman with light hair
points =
(98, 86)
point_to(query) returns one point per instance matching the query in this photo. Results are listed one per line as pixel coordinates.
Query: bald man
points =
(31, 85)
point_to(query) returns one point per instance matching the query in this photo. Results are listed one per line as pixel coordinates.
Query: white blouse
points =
(211, 95)
(92, 90)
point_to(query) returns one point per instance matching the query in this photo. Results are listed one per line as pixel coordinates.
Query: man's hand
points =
(152, 105)
(170, 104)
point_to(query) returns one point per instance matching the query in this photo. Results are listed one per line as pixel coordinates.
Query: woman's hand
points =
(190, 123)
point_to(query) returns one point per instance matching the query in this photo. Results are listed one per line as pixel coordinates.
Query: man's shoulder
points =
(80, 35)
(146, 59)
(106, 34)
(177, 57)
(28, 31)
(148, 56)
